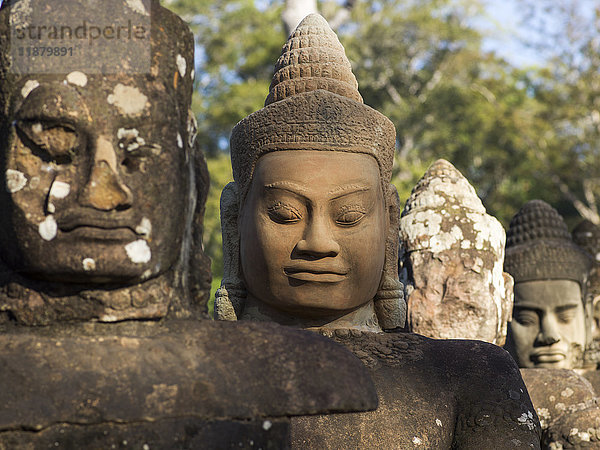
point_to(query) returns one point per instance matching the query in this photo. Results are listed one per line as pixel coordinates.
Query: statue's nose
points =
(104, 189)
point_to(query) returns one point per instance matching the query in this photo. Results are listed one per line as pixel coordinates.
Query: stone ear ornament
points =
(389, 302)
(230, 297)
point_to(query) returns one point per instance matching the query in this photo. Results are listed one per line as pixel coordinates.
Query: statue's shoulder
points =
(491, 402)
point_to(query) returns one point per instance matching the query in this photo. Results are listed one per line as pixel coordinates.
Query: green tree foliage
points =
(567, 93)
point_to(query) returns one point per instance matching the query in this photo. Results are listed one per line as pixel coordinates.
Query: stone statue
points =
(567, 407)
(550, 327)
(101, 212)
(587, 236)
(310, 231)
(451, 260)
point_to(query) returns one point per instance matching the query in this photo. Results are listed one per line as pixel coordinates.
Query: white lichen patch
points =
(138, 251)
(29, 86)
(89, 264)
(526, 419)
(37, 127)
(144, 228)
(438, 422)
(60, 189)
(77, 78)
(567, 392)
(15, 180)
(129, 100)
(445, 241)
(181, 65)
(132, 138)
(137, 6)
(127, 133)
(109, 318)
(544, 416)
(267, 424)
(583, 435)
(417, 441)
(179, 141)
(48, 228)
(489, 232)
(193, 74)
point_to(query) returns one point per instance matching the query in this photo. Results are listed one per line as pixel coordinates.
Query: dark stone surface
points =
(94, 374)
(181, 433)
(437, 394)
(593, 376)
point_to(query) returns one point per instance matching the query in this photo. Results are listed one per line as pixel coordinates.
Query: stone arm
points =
(493, 406)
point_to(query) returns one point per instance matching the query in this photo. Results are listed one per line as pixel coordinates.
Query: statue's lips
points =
(548, 357)
(320, 275)
(96, 227)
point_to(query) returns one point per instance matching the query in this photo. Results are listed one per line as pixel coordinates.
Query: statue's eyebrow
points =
(529, 306)
(290, 187)
(348, 189)
(303, 192)
(567, 307)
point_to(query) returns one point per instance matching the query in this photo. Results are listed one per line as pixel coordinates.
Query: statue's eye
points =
(526, 317)
(350, 215)
(53, 142)
(283, 213)
(566, 315)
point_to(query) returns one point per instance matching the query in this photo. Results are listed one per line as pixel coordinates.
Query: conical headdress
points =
(587, 236)
(539, 247)
(444, 212)
(313, 104)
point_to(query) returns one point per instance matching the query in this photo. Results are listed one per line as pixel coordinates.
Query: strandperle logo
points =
(86, 32)
(58, 36)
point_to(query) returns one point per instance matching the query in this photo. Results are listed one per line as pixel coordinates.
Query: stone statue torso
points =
(438, 406)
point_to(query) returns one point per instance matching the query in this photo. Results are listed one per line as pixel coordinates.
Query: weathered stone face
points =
(451, 261)
(102, 182)
(551, 319)
(313, 231)
(548, 326)
(96, 180)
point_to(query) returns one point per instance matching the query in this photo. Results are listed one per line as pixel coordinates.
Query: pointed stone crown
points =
(444, 212)
(441, 186)
(313, 58)
(313, 104)
(539, 247)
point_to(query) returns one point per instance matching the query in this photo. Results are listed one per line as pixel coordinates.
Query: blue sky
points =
(502, 22)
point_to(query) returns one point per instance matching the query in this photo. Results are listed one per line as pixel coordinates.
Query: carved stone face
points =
(95, 179)
(548, 326)
(457, 295)
(313, 229)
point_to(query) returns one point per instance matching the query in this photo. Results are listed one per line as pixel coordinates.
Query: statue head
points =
(310, 222)
(587, 236)
(451, 260)
(550, 327)
(99, 185)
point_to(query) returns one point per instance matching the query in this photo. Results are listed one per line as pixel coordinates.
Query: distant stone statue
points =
(550, 327)
(101, 213)
(587, 236)
(567, 407)
(451, 258)
(310, 231)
